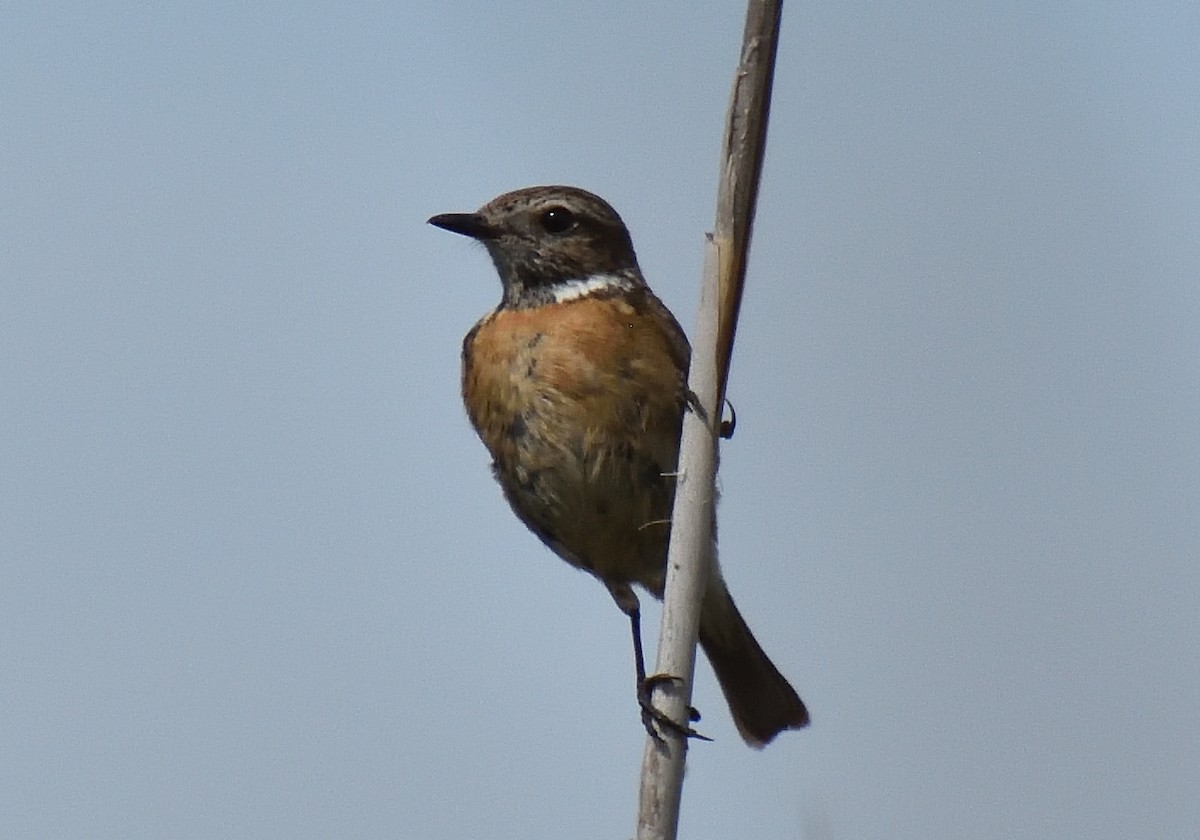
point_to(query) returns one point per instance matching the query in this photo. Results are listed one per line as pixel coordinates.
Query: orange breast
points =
(580, 405)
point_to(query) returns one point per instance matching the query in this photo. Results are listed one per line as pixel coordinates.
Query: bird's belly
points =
(581, 409)
(597, 499)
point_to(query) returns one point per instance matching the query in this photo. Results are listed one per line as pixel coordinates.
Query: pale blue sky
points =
(256, 580)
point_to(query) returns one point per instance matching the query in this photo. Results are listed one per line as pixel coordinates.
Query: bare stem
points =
(692, 548)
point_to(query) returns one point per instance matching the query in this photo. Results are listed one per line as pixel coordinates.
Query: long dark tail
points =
(762, 702)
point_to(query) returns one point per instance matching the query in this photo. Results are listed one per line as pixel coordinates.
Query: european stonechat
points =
(577, 385)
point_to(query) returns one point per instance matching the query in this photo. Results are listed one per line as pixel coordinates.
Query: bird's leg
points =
(627, 600)
(724, 427)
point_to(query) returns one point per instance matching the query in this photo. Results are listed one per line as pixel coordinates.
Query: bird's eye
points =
(557, 220)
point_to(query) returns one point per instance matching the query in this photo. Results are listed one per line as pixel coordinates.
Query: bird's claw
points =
(653, 717)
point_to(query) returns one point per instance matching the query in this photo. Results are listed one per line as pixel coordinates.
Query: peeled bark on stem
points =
(692, 530)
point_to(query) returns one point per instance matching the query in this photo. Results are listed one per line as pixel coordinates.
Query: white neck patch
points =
(568, 290)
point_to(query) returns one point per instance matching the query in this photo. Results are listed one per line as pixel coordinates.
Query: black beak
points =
(468, 224)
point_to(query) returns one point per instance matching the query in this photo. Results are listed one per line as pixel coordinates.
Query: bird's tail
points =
(762, 702)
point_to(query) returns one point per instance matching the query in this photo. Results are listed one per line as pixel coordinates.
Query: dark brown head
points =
(551, 244)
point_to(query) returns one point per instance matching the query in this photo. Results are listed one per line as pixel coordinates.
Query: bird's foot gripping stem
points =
(653, 717)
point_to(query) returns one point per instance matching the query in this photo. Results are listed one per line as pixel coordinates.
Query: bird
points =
(576, 383)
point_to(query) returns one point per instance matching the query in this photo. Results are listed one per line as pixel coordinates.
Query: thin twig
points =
(692, 532)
